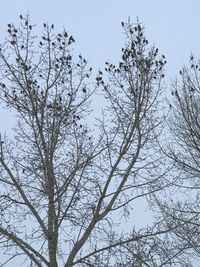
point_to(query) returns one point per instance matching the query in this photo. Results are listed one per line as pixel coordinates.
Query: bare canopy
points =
(61, 184)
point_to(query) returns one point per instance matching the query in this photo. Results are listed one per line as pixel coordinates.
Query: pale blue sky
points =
(173, 25)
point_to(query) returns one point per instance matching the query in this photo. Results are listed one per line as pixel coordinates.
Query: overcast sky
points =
(172, 25)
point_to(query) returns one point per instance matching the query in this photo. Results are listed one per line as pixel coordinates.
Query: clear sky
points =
(172, 25)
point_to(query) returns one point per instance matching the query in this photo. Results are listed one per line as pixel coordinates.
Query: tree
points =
(61, 185)
(183, 152)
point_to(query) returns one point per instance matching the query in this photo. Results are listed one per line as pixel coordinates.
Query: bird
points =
(13, 42)
(49, 106)
(69, 57)
(71, 40)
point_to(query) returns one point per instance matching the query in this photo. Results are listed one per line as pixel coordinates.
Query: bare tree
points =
(61, 185)
(183, 152)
